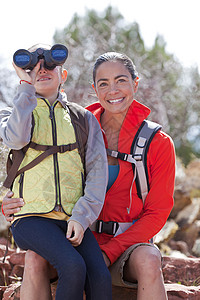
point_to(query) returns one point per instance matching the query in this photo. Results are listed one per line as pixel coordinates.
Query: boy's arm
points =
(16, 123)
(88, 207)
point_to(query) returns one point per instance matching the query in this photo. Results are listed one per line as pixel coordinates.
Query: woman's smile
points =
(116, 101)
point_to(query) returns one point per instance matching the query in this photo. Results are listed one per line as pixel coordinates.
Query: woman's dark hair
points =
(115, 56)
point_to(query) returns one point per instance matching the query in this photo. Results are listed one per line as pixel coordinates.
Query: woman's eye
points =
(121, 80)
(102, 84)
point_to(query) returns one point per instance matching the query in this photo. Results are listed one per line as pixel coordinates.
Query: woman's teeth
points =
(116, 100)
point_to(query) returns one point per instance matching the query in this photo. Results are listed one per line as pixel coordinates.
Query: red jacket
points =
(159, 202)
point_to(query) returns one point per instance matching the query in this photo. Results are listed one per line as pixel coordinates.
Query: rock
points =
(4, 241)
(3, 250)
(181, 199)
(193, 172)
(181, 270)
(188, 235)
(12, 292)
(179, 246)
(2, 290)
(177, 254)
(4, 225)
(178, 291)
(17, 273)
(189, 214)
(17, 258)
(180, 172)
(5, 270)
(196, 248)
(166, 232)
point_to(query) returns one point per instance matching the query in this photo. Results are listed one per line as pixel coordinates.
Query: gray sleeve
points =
(16, 123)
(89, 206)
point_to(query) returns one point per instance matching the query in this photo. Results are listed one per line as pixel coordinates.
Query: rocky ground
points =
(179, 242)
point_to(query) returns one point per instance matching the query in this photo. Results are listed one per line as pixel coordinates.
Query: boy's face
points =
(48, 81)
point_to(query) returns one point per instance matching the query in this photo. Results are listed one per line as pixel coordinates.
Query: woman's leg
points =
(98, 282)
(144, 265)
(36, 278)
(47, 238)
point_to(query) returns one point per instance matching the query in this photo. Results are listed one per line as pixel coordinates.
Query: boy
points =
(57, 212)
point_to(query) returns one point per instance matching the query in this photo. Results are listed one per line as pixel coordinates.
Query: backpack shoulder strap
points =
(81, 127)
(138, 156)
(139, 149)
(14, 160)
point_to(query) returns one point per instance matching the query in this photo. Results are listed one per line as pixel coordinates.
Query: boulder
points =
(17, 258)
(188, 235)
(184, 271)
(181, 199)
(178, 292)
(12, 292)
(189, 214)
(166, 233)
(4, 225)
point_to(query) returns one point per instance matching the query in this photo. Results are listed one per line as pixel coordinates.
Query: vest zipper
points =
(55, 156)
(21, 184)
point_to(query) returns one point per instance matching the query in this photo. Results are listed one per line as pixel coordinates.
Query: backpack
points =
(15, 157)
(138, 159)
(138, 156)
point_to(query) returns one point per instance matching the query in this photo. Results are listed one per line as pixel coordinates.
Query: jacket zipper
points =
(55, 156)
(21, 184)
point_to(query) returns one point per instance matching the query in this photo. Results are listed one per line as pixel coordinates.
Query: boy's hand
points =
(11, 205)
(75, 233)
(27, 76)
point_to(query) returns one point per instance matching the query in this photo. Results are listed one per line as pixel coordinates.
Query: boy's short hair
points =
(40, 45)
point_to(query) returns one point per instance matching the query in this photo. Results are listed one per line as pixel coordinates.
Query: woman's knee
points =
(146, 261)
(35, 264)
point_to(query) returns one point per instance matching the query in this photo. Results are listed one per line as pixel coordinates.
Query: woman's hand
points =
(11, 205)
(75, 233)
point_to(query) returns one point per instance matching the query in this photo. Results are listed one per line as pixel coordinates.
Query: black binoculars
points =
(56, 56)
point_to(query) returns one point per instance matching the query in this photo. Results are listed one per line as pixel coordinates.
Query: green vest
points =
(59, 178)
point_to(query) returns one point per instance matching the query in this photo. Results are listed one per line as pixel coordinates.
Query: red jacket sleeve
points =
(159, 201)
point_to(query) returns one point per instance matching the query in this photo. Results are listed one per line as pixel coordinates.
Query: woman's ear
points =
(94, 88)
(136, 81)
(64, 75)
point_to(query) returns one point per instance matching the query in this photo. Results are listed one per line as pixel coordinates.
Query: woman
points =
(131, 258)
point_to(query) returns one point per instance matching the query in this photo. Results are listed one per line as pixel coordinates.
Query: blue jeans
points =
(79, 268)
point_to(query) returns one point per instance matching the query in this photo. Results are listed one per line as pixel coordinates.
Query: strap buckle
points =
(62, 148)
(110, 227)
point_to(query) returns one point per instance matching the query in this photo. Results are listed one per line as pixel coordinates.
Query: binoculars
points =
(56, 56)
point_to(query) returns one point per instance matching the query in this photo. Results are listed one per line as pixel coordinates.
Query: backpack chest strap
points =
(19, 156)
(137, 160)
(123, 156)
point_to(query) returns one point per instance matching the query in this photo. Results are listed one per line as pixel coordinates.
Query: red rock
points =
(17, 258)
(2, 289)
(181, 270)
(17, 272)
(3, 250)
(178, 291)
(12, 292)
(5, 269)
(4, 241)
